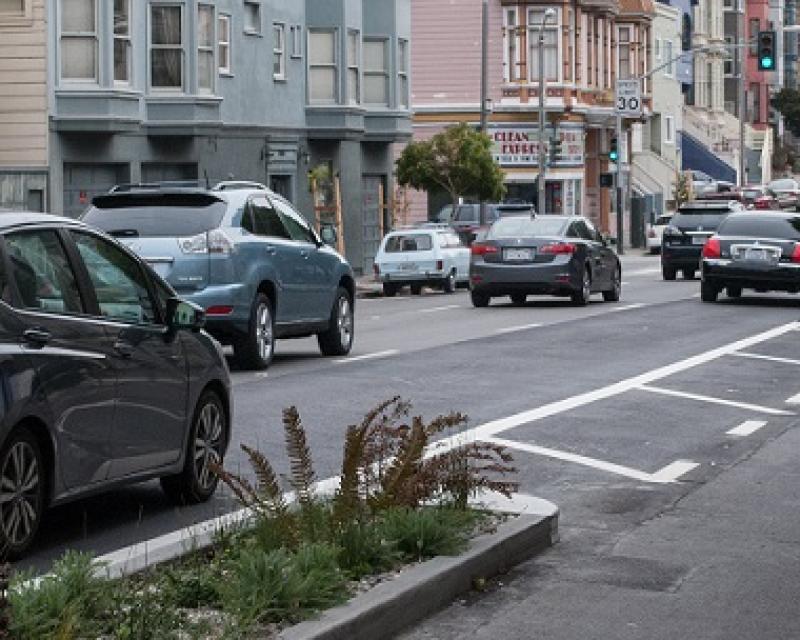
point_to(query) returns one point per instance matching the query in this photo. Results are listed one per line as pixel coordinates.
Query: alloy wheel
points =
(344, 321)
(264, 335)
(208, 444)
(19, 494)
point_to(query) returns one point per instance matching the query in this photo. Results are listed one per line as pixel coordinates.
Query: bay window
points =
(122, 41)
(166, 47)
(354, 67)
(511, 46)
(79, 40)
(205, 48)
(323, 76)
(376, 71)
(550, 49)
(624, 66)
(279, 51)
(224, 43)
(402, 73)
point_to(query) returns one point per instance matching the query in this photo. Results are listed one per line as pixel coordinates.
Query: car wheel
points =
(688, 274)
(733, 292)
(338, 339)
(22, 501)
(518, 298)
(668, 272)
(708, 292)
(206, 447)
(449, 284)
(256, 349)
(582, 296)
(390, 289)
(416, 289)
(613, 294)
(480, 299)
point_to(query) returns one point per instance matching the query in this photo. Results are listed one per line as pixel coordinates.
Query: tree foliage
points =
(458, 160)
(787, 102)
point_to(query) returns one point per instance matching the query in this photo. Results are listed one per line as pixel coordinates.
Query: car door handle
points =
(124, 348)
(271, 250)
(36, 337)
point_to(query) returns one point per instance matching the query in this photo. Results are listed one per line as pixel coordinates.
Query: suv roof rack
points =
(238, 185)
(126, 187)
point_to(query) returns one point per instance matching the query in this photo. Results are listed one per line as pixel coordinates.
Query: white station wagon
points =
(431, 255)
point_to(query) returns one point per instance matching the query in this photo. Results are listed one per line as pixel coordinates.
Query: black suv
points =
(693, 224)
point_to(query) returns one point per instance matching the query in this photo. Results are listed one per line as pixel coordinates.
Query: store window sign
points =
(514, 147)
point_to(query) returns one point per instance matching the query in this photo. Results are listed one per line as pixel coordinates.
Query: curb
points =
(424, 589)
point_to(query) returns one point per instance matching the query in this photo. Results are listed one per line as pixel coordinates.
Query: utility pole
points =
(540, 207)
(484, 84)
(741, 56)
(618, 188)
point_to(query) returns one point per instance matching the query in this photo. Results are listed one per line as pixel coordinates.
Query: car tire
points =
(688, 274)
(708, 292)
(449, 283)
(416, 289)
(733, 291)
(208, 438)
(22, 466)
(256, 349)
(338, 339)
(581, 297)
(668, 272)
(615, 292)
(518, 299)
(390, 289)
(480, 299)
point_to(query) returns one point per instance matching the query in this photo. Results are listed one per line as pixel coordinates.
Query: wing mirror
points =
(329, 235)
(609, 240)
(182, 315)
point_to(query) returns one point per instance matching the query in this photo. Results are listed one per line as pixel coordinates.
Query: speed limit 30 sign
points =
(629, 98)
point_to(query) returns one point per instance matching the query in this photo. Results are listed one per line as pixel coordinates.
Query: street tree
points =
(458, 160)
(787, 102)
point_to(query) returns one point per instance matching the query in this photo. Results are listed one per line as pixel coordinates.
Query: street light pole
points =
(540, 207)
(740, 60)
(484, 84)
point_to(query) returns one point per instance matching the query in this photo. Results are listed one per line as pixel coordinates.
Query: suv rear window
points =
(524, 226)
(156, 215)
(407, 243)
(760, 226)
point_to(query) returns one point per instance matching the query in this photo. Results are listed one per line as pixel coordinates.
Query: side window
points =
(119, 281)
(266, 221)
(43, 275)
(594, 234)
(572, 232)
(294, 223)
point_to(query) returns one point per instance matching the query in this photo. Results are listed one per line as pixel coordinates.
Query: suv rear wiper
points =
(124, 233)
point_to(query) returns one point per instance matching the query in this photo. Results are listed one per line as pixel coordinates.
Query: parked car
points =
(430, 255)
(466, 221)
(760, 197)
(445, 214)
(687, 232)
(247, 257)
(703, 183)
(108, 376)
(551, 255)
(655, 231)
(758, 251)
(788, 192)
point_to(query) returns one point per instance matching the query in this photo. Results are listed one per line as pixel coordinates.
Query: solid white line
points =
(728, 403)
(369, 356)
(643, 272)
(444, 308)
(522, 327)
(794, 399)
(747, 427)
(758, 356)
(664, 476)
(628, 307)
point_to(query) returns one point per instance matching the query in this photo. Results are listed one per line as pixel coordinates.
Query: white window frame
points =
(511, 67)
(403, 86)
(296, 33)
(669, 130)
(375, 73)
(552, 27)
(354, 66)
(129, 47)
(631, 65)
(152, 47)
(256, 4)
(62, 35)
(279, 51)
(21, 18)
(728, 66)
(337, 90)
(224, 44)
(658, 49)
(211, 48)
(669, 54)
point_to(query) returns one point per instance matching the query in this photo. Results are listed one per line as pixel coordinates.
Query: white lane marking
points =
(794, 399)
(489, 429)
(628, 307)
(444, 308)
(758, 356)
(522, 327)
(625, 282)
(722, 401)
(643, 272)
(747, 427)
(369, 356)
(664, 476)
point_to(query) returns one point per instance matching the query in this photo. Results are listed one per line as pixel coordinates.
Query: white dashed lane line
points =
(444, 308)
(721, 401)
(521, 327)
(758, 356)
(368, 356)
(747, 428)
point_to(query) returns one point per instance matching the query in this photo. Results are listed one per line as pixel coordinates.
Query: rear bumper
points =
(749, 275)
(557, 278)
(407, 278)
(681, 256)
(228, 326)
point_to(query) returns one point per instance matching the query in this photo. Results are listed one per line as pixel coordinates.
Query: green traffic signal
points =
(613, 154)
(766, 50)
(766, 63)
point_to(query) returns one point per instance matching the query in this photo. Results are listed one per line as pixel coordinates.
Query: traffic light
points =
(766, 51)
(613, 154)
(555, 150)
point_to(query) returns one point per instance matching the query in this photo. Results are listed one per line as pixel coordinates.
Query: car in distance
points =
(108, 376)
(703, 183)
(787, 191)
(759, 251)
(760, 197)
(246, 256)
(655, 232)
(551, 255)
(429, 255)
(690, 227)
(467, 219)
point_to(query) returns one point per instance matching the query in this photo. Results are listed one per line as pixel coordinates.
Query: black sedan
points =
(551, 255)
(108, 378)
(758, 251)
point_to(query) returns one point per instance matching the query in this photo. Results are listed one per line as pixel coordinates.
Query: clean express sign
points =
(518, 146)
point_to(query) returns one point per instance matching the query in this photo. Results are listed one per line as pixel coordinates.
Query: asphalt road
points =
(656, 424)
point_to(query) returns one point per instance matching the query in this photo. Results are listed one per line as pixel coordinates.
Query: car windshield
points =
(783, 184)
(760, 226)
(407, 243)
(156, 216)
(526, 227)
(507, 210)
(467, 213)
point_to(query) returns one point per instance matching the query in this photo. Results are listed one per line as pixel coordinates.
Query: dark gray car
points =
(552, 255)
(107, 377)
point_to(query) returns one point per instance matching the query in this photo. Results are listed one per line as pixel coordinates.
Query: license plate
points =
(699, 239)
(756, 254)
(409, 266)
(518, 255)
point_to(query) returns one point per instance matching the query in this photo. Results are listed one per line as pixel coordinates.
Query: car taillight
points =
(480, 249)
(214, 241)
(558, 248)
(440, 265)
(796, 253)
(712, 249)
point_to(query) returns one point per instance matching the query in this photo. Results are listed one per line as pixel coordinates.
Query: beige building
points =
(23, 108)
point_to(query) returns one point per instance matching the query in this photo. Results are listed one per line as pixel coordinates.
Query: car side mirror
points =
(328, 235)
(608, 240)
(182, 315)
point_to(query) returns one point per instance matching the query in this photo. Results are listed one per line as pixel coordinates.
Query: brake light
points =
(558, 248)
(219, 310)
(796, 253)
(480, 249)
(214, 241)
(712, 249)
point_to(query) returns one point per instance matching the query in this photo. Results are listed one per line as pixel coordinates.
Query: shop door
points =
(372, 186)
